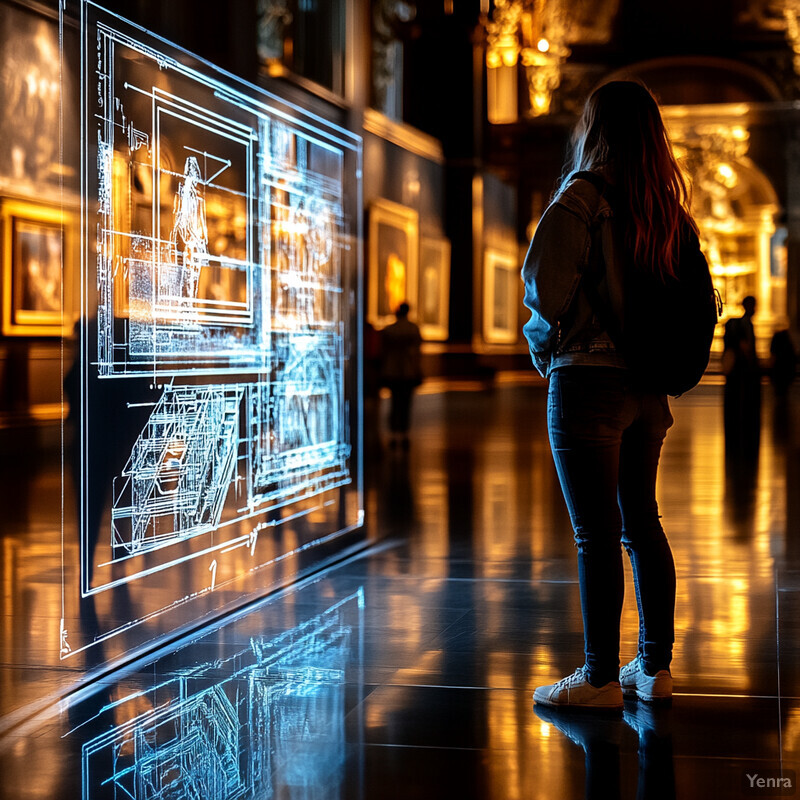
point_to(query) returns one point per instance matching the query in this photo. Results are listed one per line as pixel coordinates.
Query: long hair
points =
(622, 136)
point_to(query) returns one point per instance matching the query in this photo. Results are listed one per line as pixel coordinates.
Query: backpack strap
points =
(595, 256)
(595, 267)
(605, 316)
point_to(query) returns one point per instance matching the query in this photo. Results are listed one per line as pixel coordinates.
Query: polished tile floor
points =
(407, 672)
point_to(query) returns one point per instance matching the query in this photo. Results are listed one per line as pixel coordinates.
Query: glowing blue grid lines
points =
(264, 721)
(219, 287)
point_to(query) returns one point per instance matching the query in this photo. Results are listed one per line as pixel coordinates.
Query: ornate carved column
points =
(793, 220)
(389, 20)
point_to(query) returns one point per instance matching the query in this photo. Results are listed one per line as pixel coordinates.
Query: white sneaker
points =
(576, 691)
(635, 681)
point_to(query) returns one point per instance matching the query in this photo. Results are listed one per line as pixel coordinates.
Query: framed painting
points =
(500, 297)
(393, 260)
(36, 260)
(433, 304)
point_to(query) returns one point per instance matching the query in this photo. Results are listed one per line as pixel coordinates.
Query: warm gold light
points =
(395, 281)
(502, 34)
(502, 56)
(534, 33)
(791, 13)
(493, 59)
(544, 730)
(541, 103)
(734, 205)
(509, 56)
(726, 175)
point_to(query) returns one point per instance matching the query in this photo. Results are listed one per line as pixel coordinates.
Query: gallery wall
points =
(181, 318)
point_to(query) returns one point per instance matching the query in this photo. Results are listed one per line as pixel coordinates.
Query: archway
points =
(711, 107)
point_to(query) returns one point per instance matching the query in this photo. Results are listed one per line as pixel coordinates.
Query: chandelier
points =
(530, 32)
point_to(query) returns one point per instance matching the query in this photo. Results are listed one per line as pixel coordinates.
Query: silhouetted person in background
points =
(784, 363)
(742, 385)
(401, 371)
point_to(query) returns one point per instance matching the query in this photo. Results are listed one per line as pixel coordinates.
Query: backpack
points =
(669, 322)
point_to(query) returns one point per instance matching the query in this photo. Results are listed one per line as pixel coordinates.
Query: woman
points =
(605, 429)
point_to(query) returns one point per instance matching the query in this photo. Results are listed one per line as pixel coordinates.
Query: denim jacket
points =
(563, 329)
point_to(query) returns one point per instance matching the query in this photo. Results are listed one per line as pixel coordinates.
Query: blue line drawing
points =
(298, 428)
(176, 480)
(267, 721)
(218, 354)
(185, 284)
(178, 268)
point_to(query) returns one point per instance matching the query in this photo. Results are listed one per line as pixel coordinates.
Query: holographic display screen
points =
(214, 385)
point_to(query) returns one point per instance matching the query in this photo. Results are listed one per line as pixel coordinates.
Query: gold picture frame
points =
(433, 303)
(36, 252)
(501, 279)
(392, 260)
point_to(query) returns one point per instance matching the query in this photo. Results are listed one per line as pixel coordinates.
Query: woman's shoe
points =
(650, 688)
(576, 691)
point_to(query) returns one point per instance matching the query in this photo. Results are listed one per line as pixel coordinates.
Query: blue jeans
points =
(606, 437)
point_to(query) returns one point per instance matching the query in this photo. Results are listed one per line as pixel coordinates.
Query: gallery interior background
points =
(397, 150)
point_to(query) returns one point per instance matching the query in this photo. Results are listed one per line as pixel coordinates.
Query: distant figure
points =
(784, 363)
(401, 371)
(742, 385)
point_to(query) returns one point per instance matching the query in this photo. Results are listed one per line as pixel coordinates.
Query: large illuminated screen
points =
(215, 381)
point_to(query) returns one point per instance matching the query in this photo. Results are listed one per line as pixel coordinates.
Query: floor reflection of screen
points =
(265, 721)
(218, 368)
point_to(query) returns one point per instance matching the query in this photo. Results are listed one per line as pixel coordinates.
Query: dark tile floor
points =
(408, 672)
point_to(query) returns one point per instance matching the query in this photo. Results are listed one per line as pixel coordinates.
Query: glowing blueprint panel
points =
(216, 374)
(219, 221)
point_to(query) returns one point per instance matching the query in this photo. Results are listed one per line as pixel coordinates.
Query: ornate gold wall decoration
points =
(776, 15)
(734, 205)
(791, 12)
(536, 34)
(533, 34)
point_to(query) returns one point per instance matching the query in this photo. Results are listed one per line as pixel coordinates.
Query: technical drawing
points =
(305, 211)
(218, 225)
(191, 754)
(188, 280)
(184, 463)
(176, 480)
(298, 438)
(218, 354)
(266, 721)
(220, 249)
